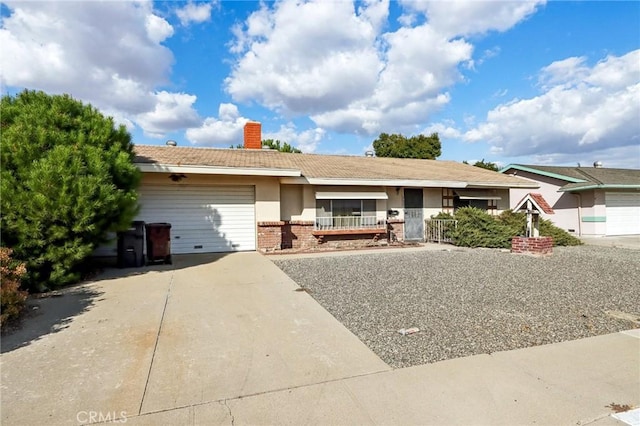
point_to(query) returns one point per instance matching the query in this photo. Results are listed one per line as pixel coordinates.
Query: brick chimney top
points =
(252, 135)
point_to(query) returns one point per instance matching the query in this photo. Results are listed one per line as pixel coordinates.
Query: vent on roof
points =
(368, 154)
(171, 142)
(597, 164)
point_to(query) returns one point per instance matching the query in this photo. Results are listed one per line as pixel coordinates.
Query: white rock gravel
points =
(468, 302)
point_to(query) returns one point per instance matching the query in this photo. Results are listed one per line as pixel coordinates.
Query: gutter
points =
(599, 186)
(215, 170)
(542, 173)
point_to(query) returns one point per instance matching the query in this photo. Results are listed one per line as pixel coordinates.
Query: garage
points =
(623, 213)
(204, 219)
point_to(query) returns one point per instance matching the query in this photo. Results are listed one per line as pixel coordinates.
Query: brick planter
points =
(298, 235)
(397, 227)
(539, 245)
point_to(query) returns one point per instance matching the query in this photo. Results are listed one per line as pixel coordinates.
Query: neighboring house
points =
(221, 200)
(586, 201)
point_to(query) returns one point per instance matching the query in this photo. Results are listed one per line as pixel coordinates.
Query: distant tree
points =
(399, 146)
(280, 146)
(67, 179)
(486, 165)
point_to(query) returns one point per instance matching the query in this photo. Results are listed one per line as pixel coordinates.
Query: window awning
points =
(351, 195)
(471, 194)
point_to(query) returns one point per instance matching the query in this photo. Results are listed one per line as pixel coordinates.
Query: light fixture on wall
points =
(177, 177)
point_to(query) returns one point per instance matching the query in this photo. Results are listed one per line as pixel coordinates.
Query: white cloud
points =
(194, 12)
(584, 109)
(172, 111)
(306, 140)
(107, 53)
(306, 57)
(334, 61)
(462, 18)
(445, 130)
(158, 28)
(226, 130)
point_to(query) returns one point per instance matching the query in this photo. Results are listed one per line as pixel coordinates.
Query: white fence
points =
(347, 222)
(439, 230)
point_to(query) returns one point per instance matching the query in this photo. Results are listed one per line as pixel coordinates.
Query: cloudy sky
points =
(529, 82)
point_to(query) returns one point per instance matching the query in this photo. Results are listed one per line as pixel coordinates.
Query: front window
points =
(345, 214)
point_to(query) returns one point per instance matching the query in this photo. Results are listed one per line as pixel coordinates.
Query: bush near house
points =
(477, 228)
(67, 178)
(12, 299)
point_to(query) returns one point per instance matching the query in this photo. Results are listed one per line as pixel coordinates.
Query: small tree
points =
(68, 178)
(280, 146)
(399, 146)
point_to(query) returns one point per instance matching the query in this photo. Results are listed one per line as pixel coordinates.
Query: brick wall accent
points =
(397, 226)
(252, 135)
(298, 235)
(539, 245)
(270, 236)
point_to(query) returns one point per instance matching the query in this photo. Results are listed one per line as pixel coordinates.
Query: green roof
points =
(585, 178)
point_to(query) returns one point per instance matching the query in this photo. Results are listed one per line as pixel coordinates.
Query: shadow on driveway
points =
(108, 270)
(52, 312)
(49, 313)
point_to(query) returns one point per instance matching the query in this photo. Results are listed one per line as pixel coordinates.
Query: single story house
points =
(219, 200)
(587, 201)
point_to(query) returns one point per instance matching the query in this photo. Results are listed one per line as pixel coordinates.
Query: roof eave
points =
(542, 173)
(216, 170)
(602, 186)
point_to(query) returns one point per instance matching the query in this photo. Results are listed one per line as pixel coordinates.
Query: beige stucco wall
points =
(432, 200)
(565, 205)
(267, 189)
(298, 201)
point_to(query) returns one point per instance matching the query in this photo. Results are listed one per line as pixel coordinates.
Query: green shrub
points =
(518, 224)
(477, 228)
(560, 236)
(12, 299)
(67, 180)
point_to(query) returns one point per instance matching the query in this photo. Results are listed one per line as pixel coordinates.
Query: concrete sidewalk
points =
(565, 383)
(622, 241)
(228, 340)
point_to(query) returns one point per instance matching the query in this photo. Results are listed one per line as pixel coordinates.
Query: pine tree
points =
(68, 179)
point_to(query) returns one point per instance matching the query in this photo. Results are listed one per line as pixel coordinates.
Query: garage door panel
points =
(623, 213)
(203, 219)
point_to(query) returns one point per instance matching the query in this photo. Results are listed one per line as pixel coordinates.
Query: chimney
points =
(252, 135)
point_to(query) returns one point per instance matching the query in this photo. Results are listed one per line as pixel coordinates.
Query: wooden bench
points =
(321, 233)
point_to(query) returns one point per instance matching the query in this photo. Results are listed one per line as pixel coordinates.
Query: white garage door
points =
(623, 213)
(204, 219)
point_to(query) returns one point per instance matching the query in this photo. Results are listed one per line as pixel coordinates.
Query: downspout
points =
(579, 197)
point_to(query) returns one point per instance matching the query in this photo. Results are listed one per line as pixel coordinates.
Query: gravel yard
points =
(468, 302)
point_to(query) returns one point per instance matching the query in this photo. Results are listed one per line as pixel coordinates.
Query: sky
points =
(528, 82)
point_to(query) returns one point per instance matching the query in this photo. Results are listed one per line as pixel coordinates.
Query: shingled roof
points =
(538, 201)
(584, 178)
(329, 167)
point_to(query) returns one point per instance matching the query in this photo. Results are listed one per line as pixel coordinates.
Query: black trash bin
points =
(131, 246)
(158, 242)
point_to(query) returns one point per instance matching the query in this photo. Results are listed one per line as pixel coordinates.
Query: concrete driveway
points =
(227, 340)
(206, 329)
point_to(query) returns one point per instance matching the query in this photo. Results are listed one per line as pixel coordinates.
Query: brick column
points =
(397, 226)
(539, 245)
(269, 236)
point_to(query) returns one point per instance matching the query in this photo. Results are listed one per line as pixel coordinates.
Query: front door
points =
(413, 214)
